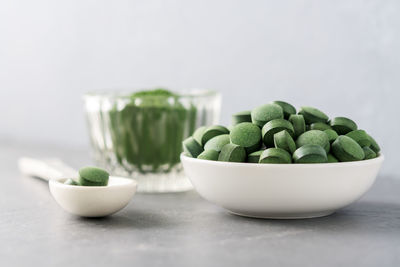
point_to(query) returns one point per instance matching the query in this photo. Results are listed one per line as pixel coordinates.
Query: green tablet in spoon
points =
(93, 176)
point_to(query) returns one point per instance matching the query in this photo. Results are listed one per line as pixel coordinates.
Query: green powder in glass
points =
(147, 132)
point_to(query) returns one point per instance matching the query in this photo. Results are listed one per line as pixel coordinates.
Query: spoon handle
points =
(45, 169)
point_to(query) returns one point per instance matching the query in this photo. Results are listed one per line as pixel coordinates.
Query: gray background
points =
(341, 56)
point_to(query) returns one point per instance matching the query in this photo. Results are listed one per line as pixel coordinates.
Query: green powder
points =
(147, 132)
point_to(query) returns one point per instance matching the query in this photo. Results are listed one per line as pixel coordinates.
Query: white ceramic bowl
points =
(94, 201)
(281, 191)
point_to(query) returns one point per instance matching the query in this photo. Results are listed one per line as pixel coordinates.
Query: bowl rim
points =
(59, 184)
(378, 159)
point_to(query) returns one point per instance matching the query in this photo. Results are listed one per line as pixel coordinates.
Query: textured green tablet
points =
(360, 136)
(287, 108)
(209, 155)
(247, 135)
(374, 145)
(93, 176)
(343, 125)
(332, 159)
(284, 141)
(275, 156)
(70, 181)
(191, 147)
(255, 156)
(314, 137)
(265, 113)
(198, 134)
(243, 116)
(346, 149)
(312, 115)
(332, 135)
(310, 154)
(84, 182)
(299, 125)
(369, 153)
(213, 131)
(319, 126)
(232, 153)
(216, 143)
(274, 126)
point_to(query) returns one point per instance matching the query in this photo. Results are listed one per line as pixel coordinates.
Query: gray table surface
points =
(183, 229)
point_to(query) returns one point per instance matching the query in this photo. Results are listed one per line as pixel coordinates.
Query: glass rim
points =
(126, 93)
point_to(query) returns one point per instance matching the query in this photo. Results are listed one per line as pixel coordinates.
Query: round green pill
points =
(255, 156)
(332, 135)
(360, 136)
(369, 153)
(265, 113)
(243, 116)
(213, 131)
(198, 134)
(232, 153)
(247, 135)
(299, 125)
(314, 137)
(216, 143)
(312, 115)
(70, 181)
(374, 145)
(310, 154)
(319, 126)
(343, 125)
(332, 159)
(84, 182)
(274, 126)
(284, 141)
(275, 156)
(287, 108)
(346, 149)
(209, 155)
(93, 176)
(191, 147)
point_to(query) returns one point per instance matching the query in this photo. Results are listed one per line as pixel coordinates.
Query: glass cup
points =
(141, 136)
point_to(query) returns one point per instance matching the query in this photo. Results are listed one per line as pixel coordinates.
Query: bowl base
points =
(283, 216)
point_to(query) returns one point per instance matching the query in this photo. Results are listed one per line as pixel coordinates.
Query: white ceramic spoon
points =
(86, 201)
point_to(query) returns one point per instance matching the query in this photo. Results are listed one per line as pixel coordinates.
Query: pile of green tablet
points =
(277, 133)
(90, 176)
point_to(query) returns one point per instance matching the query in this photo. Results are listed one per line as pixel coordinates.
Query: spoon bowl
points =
(93, 201)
